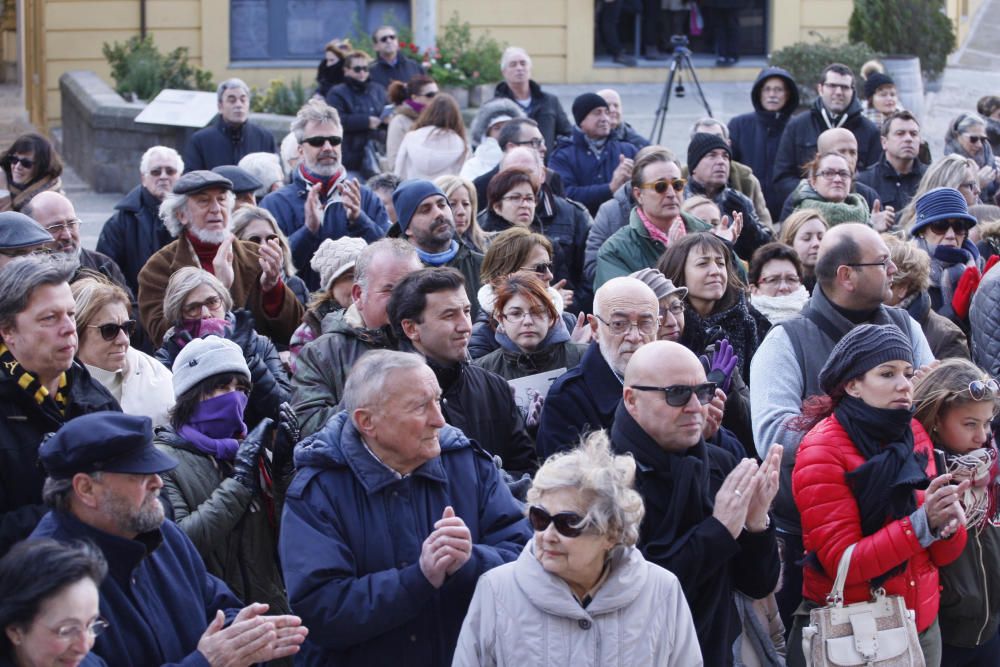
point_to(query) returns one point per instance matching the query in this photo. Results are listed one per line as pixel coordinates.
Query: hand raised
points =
(350, 197)
(222, 263)
(314, 209)
(767, 489)
(733, 498)
(270, 264)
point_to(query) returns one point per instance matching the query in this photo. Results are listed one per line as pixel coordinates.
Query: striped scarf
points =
(27, 381)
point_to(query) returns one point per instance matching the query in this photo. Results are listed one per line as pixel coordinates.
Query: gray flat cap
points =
(243, 180)
(196, 181)
(19, 231)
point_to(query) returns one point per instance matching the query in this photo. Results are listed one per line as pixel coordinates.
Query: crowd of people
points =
(535, 393)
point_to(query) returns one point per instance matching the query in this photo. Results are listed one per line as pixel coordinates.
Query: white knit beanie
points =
(333, 258)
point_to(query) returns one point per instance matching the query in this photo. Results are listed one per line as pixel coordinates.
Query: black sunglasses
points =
(541, 268)
(258, 240)
(975, 138)
(26, 162)
(678, 395)
(568, 524)
(110, 330)
(358, 69)
(429, 95)
(386, 38)
(319, 142)
(942, 226)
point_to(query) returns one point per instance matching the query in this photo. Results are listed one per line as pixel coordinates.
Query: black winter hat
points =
(875, 81)
(862, 349)
(586, 103)
(703, 143)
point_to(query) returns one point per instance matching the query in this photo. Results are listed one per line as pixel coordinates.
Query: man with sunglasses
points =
(360, 101)
(390, 65)
(231, 136)
(134, 232)
(706, 512)
(42, 386)
(321, 202)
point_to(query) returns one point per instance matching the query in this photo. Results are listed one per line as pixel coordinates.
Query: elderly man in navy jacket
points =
(162, 605)
(390, 520)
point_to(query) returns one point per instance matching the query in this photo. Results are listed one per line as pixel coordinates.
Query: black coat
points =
(383, 73)
(22, 428)
(271, 386)
(755, 136)
(133, 234)
(356, 103)
(328, 76)
(220, 144)
(545, 109)
(798, 143)
(679, 533)
(894, 189)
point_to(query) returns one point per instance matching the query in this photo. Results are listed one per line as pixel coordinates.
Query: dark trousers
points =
(607, 26)
(790, 594)
(724, 26)
(984, 655)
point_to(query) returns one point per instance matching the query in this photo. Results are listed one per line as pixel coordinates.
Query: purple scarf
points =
(214, 424)
(187, 330)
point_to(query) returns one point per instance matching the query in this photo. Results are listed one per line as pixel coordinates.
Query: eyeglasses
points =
(258, 240)
(619, 327)
(675, 309)
(192, 310)
(386, 38)
(830, 174)
(26, 162)
(790, 279)
(568, 524)
(838, 86)
(429, 94)
(941, 227)
(517, 200)
(110, 330)
(542, 268)
(159, 171)
(678, 395)
(319, 142)
(535, 143)
(884, 263)
(661, 185)
(516, 315)
(68, 633)
(976, 138)
(979, 388)
(357, 69)
(59, 227)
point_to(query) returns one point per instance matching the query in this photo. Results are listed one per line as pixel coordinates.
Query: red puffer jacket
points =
(831, 522)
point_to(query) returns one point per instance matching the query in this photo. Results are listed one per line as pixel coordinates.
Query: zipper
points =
(986, 591)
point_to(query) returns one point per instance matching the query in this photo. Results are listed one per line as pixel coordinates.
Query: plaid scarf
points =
(30, 383)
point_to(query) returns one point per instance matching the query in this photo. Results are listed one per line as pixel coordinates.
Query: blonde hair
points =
(946, 387)
(448, 185)
(913, 265)
(93, 293)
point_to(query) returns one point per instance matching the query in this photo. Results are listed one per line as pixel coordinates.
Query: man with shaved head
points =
(626, 317)
(853, 275)
(620, 129)
(706, 512)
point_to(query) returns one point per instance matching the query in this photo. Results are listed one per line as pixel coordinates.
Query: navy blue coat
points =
(356, 104)
(586, 176)
(383, 73)
(221, 144)
(755, 136)
(133, 234)
(350, 546)
(288, 205)
(158, 597)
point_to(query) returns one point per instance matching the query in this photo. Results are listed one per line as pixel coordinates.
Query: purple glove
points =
(720, 368)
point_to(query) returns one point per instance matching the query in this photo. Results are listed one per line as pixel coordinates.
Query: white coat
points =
(144, 387)
(430, 152)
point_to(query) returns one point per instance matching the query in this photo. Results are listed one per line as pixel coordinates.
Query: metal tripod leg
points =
(661, 111)
(697, 84)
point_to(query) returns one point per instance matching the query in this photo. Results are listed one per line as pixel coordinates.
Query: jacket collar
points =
(605, 386)
(123, 555)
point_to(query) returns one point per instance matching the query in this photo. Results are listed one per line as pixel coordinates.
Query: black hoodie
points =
(755, 135)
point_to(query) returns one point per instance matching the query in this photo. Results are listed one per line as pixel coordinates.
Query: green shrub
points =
(806, 61)
(915, 27)
(140, 70)
(280, 98)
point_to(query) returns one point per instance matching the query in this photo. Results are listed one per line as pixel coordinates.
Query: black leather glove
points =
(288, 428)
(247, 456)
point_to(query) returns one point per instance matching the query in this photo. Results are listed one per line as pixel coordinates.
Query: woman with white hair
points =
(580, 593)
(966, 136)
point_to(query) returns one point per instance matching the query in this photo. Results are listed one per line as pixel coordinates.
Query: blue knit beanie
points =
(941, 204)
(863, 348)
(407, 198)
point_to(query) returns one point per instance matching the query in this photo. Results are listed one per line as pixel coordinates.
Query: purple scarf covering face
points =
(215, 424)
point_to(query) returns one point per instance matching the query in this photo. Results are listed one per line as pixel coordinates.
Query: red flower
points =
(413, 48)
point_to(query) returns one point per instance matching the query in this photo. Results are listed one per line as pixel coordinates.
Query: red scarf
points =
(328, 183)
(204, 251)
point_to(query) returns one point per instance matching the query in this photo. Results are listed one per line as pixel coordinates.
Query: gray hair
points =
(509, 53)
(963, 122)
(289, 151)
(173, 203)
(150, 153)
(313, 111)
(708, 121)
(266, 168)
(384, 182)
(604, 481)
(391, 246)
(184, 281)
(21, 277)
(232, 83)
(501, 106)
(55, 491)
(367, 382)
(242, 218)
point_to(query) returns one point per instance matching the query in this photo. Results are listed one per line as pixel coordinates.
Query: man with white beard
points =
(198, 214)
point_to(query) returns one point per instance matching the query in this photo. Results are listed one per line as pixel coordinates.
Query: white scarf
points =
(781, 308)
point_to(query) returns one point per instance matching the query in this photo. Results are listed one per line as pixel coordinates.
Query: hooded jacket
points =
(798, 143)
(755, 136)
(350, 545)
(221, 143)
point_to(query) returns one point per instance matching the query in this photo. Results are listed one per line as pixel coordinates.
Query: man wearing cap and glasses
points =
(706, 512)
(231, 136)
(161, 605)
(41, 385)
(198, 214)
(390, 65)
(321, 202)
(134, 232)
(361, 104)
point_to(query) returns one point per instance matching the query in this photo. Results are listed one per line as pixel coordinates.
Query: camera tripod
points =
(680, 63)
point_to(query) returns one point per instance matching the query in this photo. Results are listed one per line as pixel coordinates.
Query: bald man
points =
(621, 130)
(853, 275)
(626, 317)
(706, 512)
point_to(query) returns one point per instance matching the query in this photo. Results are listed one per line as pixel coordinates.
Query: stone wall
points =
(101, 140)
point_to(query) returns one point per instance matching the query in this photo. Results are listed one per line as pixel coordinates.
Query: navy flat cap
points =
(104, 442)
(19, 231)
(243, 180)
(196, 181)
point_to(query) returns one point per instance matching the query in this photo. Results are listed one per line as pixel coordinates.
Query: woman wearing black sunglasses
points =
(581, 578)
(966, 136)
(139, 383)
(30, 166)
(257, 225)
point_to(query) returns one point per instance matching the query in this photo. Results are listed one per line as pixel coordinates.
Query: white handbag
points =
(879, 633)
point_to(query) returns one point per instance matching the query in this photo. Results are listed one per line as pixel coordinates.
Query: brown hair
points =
(647, 156)
(528, 285)
(671, 264)
(399, 92)
(356, 55)
(770, 252)
(946, 387)
(505, 181)
(793, 223)
(442, 113)
(509, 251)
(811, 168)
